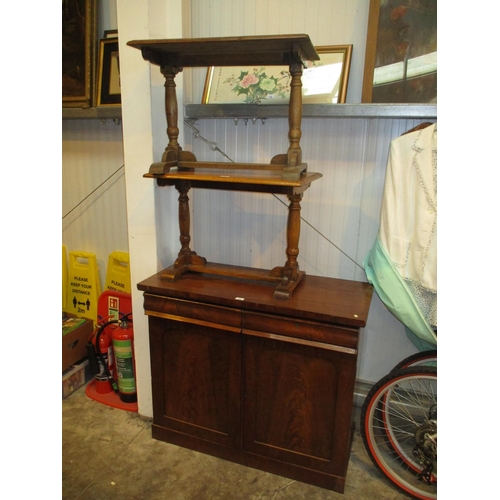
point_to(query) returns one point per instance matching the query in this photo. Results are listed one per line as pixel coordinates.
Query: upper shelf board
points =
(228, 51)
(257, 111)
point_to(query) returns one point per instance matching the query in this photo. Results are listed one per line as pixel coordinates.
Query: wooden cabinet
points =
(259, 381)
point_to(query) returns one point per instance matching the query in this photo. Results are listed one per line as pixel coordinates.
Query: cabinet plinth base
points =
(327, 481)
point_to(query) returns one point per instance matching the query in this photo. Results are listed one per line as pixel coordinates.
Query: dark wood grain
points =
(228, 51)
(196, 383)
(331, 300)
(258, 381)
(285, 174)
(294, 410)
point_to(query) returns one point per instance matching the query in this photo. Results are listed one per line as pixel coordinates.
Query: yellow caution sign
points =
(118, 273)
(83, 286)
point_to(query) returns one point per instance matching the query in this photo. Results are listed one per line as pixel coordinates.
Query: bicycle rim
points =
(399, 412)
(424, 358)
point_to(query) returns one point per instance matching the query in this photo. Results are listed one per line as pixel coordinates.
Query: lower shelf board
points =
(330, 482)
(284, 287)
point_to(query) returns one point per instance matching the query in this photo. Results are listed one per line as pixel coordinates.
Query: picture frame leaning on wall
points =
(108, 90)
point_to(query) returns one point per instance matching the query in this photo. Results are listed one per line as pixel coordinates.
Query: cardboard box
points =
(74, 344)
(75, 377)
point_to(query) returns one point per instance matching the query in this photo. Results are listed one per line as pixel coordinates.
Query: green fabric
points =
(394, 293)
(422, 345)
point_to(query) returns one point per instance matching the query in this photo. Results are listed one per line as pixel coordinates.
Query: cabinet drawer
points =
(192, 312)
(309, 331)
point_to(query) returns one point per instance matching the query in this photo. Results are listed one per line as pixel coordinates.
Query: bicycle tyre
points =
(398, 418)
(424, 358)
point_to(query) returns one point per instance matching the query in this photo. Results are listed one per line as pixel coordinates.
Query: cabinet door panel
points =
(196, 380)
(298, 403)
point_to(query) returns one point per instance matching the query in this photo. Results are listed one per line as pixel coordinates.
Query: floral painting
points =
(323, 81)
(259, 84)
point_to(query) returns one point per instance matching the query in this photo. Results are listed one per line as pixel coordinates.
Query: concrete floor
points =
(109, 454)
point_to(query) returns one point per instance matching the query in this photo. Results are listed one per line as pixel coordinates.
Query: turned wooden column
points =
(291, 268)
(186, 256)
(171, 111)
(292, 160)
(295, 115)
(173, 152)
(289, 274)
(184, 219)
(294, 154)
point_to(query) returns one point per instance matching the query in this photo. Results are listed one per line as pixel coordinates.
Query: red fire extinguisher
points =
(106, 349)
(100, 353)
(123, 350)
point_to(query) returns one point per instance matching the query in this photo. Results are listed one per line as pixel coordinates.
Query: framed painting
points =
(79, 35)
(111, 34)
(109, 91)
(323, 82)
(401, 52)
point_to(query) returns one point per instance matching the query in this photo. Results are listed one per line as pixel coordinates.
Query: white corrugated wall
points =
(341, 210)
(93, 189)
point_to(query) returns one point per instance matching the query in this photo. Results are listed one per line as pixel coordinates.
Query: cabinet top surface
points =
(228, 51)
(342, 302)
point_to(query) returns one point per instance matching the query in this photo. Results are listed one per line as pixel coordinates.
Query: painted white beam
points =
(144, 139)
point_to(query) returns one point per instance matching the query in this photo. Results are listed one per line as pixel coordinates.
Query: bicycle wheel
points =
(399, 429)
(424, 358)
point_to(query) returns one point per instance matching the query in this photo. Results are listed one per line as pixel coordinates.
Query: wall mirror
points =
(323, 82)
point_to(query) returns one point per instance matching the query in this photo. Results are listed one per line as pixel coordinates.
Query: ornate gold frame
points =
(79, 34)
(396, 35)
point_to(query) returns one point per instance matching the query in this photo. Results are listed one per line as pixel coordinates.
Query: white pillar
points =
(144, 139)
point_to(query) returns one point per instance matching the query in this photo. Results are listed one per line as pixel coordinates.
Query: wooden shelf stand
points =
(286, 173)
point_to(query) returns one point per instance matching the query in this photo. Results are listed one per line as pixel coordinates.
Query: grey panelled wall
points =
(351, 153)
(340, 211)
(327, 22)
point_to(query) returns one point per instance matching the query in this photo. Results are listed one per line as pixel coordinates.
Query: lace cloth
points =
(402, 264)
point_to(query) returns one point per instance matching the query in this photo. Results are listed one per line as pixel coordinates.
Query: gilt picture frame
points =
(323, 82)
(109, 91)
(401, 53)
(79, 35)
